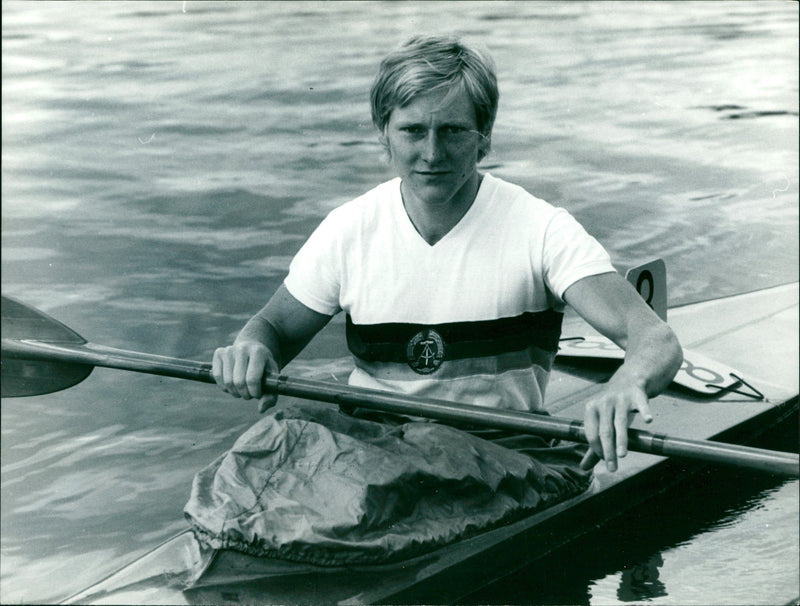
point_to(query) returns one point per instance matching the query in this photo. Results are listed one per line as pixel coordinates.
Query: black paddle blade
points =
(31, 377)
(37, 377)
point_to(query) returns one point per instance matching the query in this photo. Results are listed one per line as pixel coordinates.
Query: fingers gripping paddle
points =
(36, 348)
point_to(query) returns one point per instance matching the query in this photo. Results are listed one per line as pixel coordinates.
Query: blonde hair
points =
(428, 63)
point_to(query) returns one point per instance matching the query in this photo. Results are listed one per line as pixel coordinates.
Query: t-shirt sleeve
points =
(571, 254)
(315, 272)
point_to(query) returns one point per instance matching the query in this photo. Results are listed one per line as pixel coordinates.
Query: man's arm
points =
(267, 343)
(652, 357)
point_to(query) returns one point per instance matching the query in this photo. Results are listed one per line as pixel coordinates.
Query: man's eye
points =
(413, 130)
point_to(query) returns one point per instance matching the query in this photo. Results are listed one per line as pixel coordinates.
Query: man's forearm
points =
(652, 357)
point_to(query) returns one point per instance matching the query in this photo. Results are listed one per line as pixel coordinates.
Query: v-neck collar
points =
(410, 232)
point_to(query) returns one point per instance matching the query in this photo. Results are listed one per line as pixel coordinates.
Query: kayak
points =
(752, 336)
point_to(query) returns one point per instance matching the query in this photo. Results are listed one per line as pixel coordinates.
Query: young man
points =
(453, 281)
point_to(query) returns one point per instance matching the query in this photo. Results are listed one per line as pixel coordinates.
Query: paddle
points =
(41, 355)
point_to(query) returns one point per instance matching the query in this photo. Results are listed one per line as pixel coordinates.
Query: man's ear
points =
(383, 139)
(485, 145)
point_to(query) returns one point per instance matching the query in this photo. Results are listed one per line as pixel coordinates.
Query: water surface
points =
(163, 161)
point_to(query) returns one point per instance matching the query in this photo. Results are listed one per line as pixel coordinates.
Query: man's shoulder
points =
(517, 198)
(362, 214)
(369, 199)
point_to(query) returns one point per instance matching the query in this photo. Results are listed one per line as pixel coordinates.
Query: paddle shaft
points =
(782, 463)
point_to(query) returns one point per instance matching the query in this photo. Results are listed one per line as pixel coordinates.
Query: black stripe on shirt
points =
(388, 342)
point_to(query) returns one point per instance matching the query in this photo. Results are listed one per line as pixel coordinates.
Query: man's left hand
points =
(607, 416)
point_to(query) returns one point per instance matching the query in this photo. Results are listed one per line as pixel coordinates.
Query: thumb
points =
(590, 459)
(644, 410)
(266, 402)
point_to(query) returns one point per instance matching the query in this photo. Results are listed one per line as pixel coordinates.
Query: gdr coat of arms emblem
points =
(425, 351)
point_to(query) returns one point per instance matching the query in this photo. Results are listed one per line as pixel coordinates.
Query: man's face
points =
(434, 145)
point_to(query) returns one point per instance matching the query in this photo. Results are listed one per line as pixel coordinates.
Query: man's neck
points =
(434, 220)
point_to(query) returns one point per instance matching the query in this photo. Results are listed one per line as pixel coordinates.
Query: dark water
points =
(163, 161)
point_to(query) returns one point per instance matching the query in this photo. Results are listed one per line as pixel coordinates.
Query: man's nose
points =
(433, 150)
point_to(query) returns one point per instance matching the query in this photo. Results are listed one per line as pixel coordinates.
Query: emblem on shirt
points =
(425, 352)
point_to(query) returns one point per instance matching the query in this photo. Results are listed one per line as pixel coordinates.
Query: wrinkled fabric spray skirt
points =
(309, 483)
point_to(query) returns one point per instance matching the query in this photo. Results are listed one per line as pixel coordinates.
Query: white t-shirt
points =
(474, 318)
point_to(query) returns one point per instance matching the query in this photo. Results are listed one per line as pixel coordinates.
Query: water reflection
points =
(641, 581)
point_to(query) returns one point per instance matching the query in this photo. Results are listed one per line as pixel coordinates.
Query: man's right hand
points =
(275, 334)
(240, 370)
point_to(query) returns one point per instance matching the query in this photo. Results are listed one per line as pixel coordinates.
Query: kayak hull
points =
(755, 333)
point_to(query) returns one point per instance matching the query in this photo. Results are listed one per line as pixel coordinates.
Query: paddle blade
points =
(37, 377)
(20, 321)
(30, 377)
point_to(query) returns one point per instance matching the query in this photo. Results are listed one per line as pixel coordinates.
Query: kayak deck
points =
(755, 333)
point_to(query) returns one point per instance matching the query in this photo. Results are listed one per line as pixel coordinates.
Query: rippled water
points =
(163, 161)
